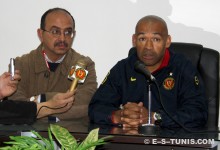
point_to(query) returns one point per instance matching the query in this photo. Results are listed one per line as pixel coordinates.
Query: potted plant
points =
(62, 135)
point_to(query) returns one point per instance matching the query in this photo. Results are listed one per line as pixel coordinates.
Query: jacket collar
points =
(41, 66)
(165, 61)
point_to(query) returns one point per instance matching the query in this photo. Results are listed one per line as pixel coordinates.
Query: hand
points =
(143, 114)
(132, 115)
(61, 99)
(8, 86)
(59, 103)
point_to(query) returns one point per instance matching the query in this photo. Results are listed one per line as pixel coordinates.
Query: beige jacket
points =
(36, 79)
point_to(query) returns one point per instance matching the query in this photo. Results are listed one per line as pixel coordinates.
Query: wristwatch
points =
(157, 116)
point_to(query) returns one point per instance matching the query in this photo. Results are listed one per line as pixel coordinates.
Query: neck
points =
(52, 58)
(153, 68)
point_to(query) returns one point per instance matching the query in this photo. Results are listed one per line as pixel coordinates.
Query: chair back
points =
(206, 61)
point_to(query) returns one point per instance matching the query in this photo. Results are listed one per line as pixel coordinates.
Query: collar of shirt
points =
(58, 61)
(165, 61)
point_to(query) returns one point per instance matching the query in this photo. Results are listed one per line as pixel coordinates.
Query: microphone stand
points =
(149, 128)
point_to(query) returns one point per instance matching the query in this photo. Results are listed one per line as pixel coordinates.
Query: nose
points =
(62, 36)
(149, 44)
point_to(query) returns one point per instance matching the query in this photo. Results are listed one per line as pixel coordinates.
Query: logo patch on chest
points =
(133, 79)
(169, 83)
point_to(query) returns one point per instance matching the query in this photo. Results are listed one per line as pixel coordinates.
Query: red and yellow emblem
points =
(80, 73)
(72, 71)
(169, 83)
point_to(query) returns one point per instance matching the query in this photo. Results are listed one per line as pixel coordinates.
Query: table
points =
(129, 139)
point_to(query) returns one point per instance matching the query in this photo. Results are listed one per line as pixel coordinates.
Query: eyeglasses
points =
(57, 33)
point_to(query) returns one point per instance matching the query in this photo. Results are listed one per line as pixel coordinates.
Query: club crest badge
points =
(169, 83)
(80, 74)
(72, 71)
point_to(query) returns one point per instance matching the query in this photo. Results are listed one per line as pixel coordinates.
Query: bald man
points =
(122, 98)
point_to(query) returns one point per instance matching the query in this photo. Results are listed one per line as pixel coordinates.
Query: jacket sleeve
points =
(17, 112)
(106, 99)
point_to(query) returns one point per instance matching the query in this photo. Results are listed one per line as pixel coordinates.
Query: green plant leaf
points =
(50, 137)
(23, 143)
(67, 141)
(48, 143)
(91, 138)
(63, 136)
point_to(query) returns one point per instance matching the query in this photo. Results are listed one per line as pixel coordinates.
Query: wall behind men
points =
(104, 27)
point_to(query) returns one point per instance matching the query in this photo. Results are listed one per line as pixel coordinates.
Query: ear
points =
(74, 33)
(40, 34)
(134, 40)
(168, 42)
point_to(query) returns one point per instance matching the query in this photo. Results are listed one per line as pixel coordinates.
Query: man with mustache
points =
(122, 98)
(44, 71)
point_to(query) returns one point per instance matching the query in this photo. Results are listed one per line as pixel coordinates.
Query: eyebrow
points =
(62, 29)
(155, 33)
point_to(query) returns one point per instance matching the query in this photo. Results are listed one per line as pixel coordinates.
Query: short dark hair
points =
(152, 18)
(43, 18)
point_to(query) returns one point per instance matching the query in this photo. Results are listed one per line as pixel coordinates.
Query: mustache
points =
(61, 43)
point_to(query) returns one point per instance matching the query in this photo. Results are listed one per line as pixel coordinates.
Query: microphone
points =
(77, 74)
(140, 67)
(12, 68)
(148, 128)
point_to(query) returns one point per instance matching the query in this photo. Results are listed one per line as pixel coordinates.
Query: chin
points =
(61, 51)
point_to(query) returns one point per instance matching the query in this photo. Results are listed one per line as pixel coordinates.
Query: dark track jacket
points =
(180, 86)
